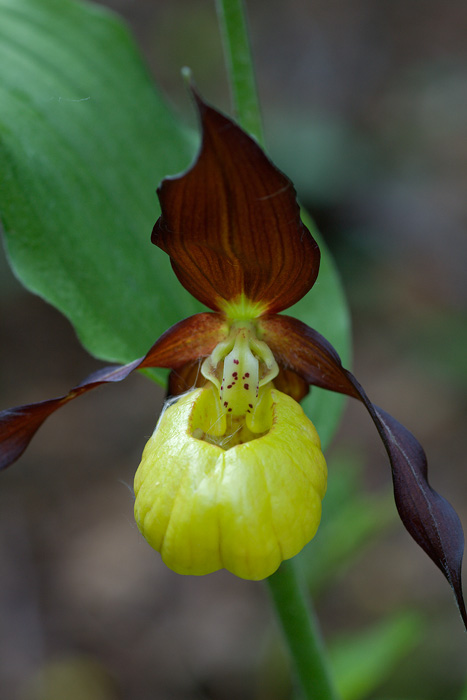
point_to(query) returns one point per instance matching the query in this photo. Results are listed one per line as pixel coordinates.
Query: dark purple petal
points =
(428, 517)
(18, 425)
(192, 338)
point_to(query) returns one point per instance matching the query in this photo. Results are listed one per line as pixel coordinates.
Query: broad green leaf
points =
(85, 138)
(84, 141)
(325, 309)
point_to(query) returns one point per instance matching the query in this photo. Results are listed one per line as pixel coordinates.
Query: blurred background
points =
(365, 108)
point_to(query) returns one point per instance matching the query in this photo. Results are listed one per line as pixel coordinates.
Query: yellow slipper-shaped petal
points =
(245, 508)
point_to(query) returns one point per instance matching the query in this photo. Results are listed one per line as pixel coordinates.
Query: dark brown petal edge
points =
(428, 517)
(291, 383)
(194, 337)
(231, 223)
(186, 378)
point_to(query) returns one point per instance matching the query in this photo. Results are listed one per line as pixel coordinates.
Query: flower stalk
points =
(237, 52)
(302, 633)
(297, 620)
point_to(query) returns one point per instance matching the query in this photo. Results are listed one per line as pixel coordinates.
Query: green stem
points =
(302, 633)
(233, 25)
(298, 622)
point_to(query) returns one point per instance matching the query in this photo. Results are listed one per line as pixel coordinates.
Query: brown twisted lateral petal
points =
(231, 224)
(193, 337)
(428, 517)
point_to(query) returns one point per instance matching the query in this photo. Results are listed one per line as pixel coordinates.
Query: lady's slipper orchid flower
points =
(233, 476)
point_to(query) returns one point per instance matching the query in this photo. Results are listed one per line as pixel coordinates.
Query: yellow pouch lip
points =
(244, 509)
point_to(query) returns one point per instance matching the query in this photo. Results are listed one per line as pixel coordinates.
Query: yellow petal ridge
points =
(245, 508)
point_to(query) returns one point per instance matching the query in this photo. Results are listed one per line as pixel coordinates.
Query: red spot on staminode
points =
(250, 405)
(230, 386)
(235, 374)
(236, 362)
(230, 409)
(226, 403)
(246, 386)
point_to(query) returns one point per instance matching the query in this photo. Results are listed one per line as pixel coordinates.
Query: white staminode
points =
(238, 367)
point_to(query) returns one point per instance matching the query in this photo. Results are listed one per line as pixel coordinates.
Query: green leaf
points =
(352, 521)
(84, 141)
(325, 309)
(85, 138)
(363, 661)
(464, 692)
